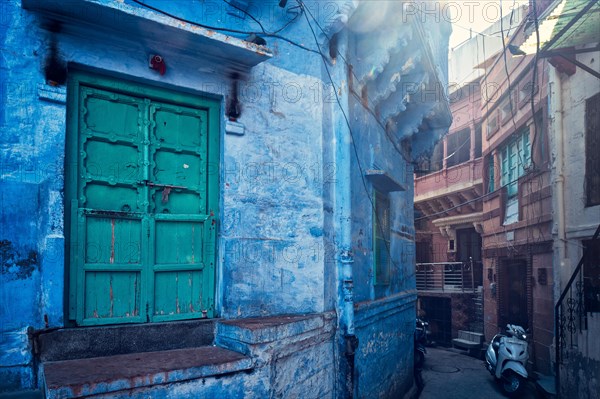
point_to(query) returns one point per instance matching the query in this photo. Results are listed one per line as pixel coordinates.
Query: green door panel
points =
(112, 295)
(113, 241)
(142, 202)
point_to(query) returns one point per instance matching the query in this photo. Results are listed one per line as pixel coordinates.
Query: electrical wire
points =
(459, 147)
(512, 14)
(221, 29)
(354, 93)
(245, 12)
(510, 88)
(296, 16)
(464, 203)
(352, 139)
(275, 35)
(534, 77)
(484, 79)
(533, 115)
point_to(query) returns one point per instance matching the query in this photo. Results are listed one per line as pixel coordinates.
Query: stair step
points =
(545, 384)
(22, 395)
(80, 343)
(102, 375)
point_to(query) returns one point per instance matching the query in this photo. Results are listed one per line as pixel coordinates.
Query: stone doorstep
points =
(101, 375)
(121, 339)
(22, 395)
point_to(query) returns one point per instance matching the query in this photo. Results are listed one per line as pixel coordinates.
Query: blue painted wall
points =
(277, 248)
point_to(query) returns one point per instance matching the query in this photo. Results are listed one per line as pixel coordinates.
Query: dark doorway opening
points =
(468, 251)
(513, 304)
(469, 245)
(439, 315)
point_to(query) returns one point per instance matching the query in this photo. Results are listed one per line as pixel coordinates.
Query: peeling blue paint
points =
(17, 264)
(316, 231)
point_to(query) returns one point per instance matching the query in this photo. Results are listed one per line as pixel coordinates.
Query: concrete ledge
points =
(132, 20)
(368, 312)
(268, 329)
(468, 340)
(102, 375)
(465, 344)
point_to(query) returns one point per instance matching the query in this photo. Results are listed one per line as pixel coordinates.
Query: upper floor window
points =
(381, 238)
(478, 141)
(592, 150)
(458, 147)
(525, 91)
(491, 175)
(516, 158)
(492, 124)
(432, 163)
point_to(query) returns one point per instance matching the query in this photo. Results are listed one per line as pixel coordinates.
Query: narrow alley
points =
(449, 374)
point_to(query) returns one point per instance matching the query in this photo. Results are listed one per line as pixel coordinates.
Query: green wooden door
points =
(143, 201)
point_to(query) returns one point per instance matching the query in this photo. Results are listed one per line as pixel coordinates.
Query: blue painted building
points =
(217, 194)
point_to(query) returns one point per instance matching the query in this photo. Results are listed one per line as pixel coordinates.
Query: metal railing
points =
(570, 313)
(449, 276)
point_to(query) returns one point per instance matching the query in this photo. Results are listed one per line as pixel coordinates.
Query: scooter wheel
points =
(419, 359)
(512, 384)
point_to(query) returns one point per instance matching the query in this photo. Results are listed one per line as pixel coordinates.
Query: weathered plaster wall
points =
(385, 313)
(374, 151)
(275, 245)
(385, 333)
(580, 221)
(273, 224)
(543, 313)
(31, 227)
(579, 377)
(271, 247)
(295, 354)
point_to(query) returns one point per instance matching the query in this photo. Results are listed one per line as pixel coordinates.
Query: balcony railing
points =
(448, 179)
(449, 277)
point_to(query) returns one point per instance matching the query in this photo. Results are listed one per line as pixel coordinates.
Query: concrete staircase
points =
(136, 374)
(134, 360)
(37, 394)
(477, 323)
(180, 359)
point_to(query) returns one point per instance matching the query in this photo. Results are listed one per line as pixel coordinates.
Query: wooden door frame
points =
(130, 87)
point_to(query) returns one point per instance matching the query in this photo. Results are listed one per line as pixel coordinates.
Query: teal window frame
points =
(381, 238)
(516, 158)
(491, 175)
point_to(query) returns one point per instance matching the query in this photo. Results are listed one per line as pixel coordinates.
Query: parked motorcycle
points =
(506, 357)
(420, 351)
(420, 343)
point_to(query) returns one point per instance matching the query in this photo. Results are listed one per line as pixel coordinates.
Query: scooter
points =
(420, 343)
(506, 357)
(420, 351)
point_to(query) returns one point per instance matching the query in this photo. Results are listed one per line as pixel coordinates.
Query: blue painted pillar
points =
(343, 217)
(343, 191)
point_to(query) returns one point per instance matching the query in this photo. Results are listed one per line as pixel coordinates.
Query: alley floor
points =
(449, 374)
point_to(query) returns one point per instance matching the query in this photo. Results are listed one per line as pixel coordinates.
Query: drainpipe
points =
(343, 221)
(559, 180)
(556, 107)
